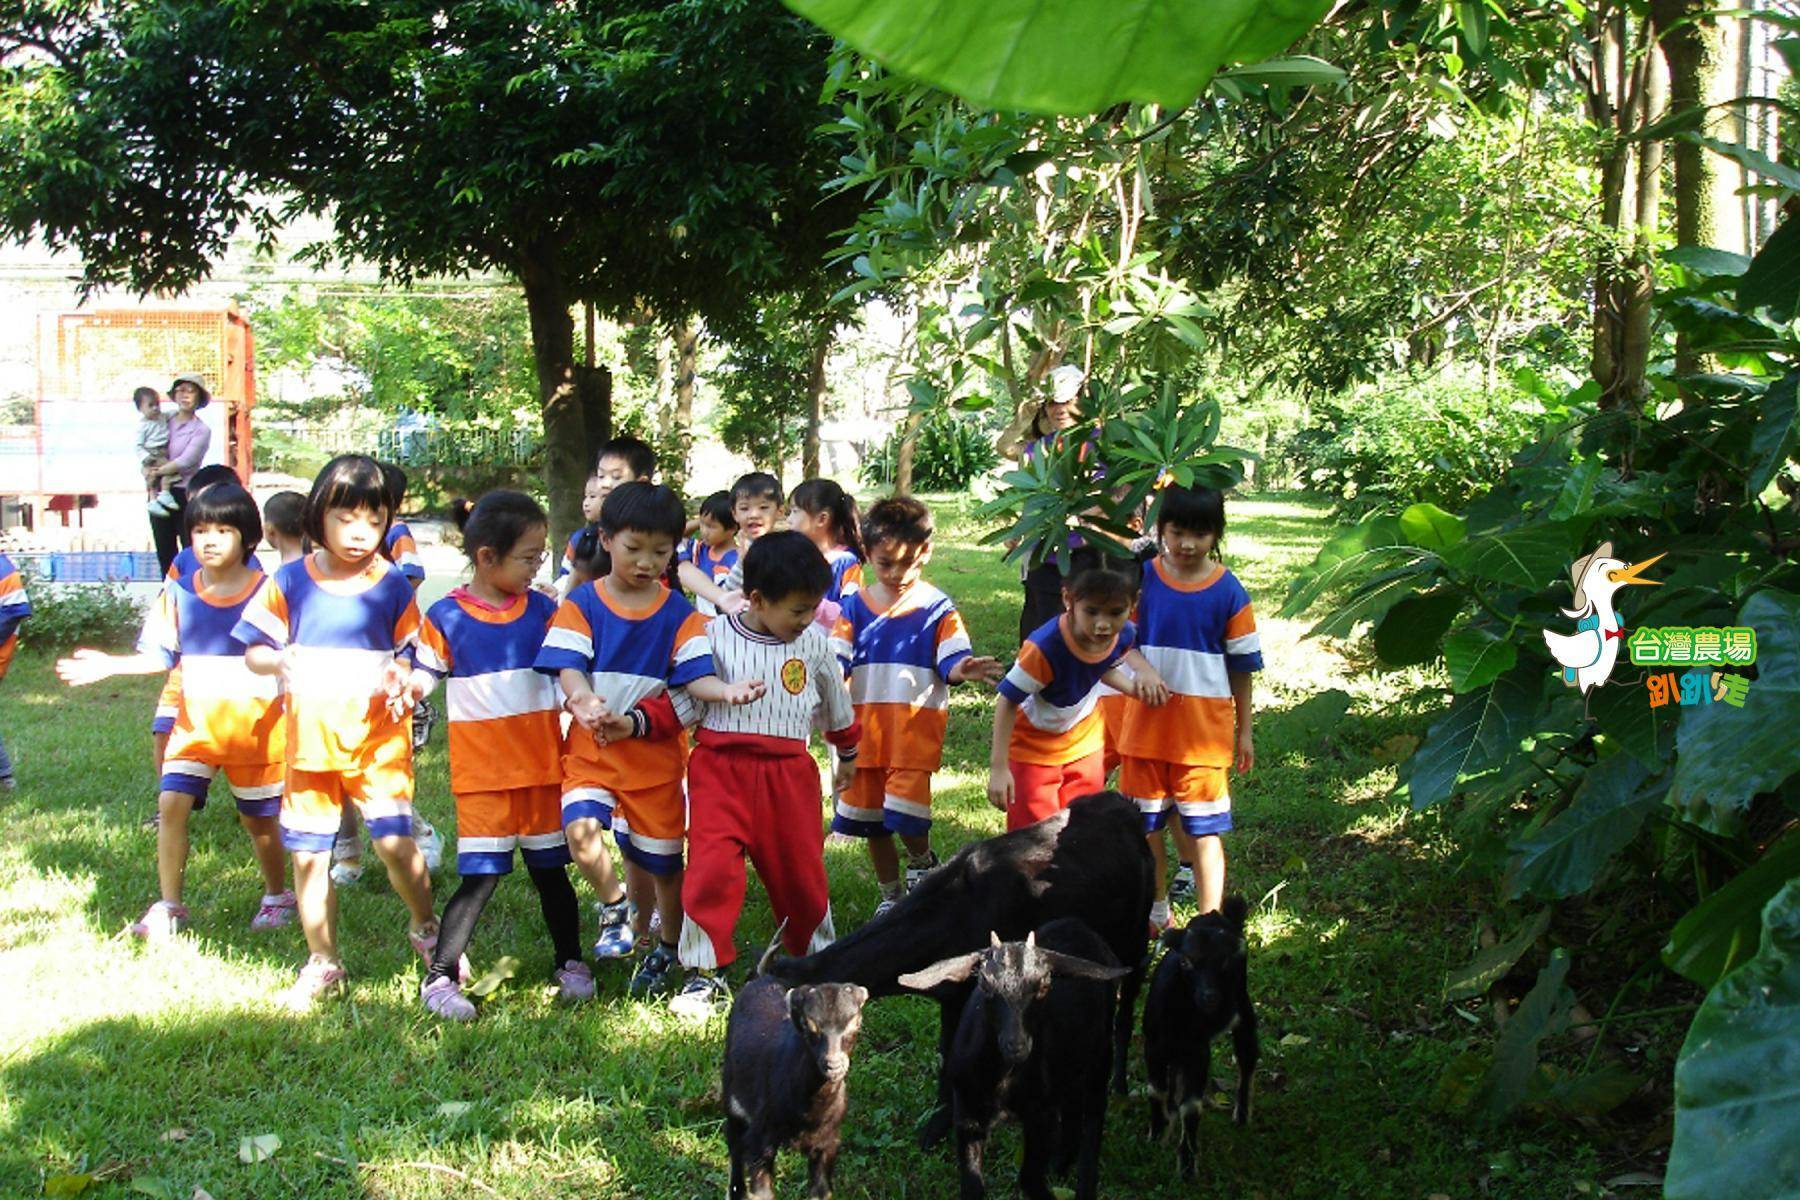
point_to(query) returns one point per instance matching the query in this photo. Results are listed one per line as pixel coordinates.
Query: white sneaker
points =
(431, 844)
(703, 996)
(346, 861)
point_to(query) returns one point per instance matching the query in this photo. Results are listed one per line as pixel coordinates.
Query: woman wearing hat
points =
(1043, 583)
(189, 439)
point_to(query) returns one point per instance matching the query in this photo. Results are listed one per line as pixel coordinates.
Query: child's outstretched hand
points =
(981, 667)
(1000, 788)
(84, 667)
(613, 727)
(747, 691)
(1150, 689)
(589, 710)
(734, 603)
(1245, 757)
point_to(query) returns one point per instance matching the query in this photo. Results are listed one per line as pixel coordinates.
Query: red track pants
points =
(757, 796)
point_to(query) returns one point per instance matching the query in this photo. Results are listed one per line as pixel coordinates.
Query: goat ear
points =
(796, 1003)
(1234, 910)
(1081, 968)
(949, 970)
(859, 994)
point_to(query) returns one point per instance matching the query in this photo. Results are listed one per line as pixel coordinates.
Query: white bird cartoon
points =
(1587, 656)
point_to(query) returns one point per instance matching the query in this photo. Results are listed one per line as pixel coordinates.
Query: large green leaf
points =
(1301, 70)
(1476, 657)
(1720, 932)
(1776, 430)
(1704, 260)
(1429, 526)
(1078, 56)
(1724, 755)
(1532, 556)
(1623, 712)
(1773, 280)
(1543, 1013)
(1566, 854)
(1492, 964)
(1480, 731)
(1736, 1103)
(1408, 634)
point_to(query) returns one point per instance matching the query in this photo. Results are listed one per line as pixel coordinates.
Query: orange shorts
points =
(256, 786)
(490, 825)
(649, 824)
(314, 803)
(884, 800)
(168, 703)
(1042, 790)
(1112, 720)
(1201, 795)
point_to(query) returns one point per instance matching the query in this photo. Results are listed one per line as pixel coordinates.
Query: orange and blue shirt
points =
(846, 573)
(15, 606)
(1056, 688)
(629, 655)
(229, 715)
(346, 632)
(568, 558)
(899, 660)
(504, 723)
(715, 566)
(399, 548)
(1196, 635)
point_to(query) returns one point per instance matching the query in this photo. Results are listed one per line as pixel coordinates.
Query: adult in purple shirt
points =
(189, 439)
(1043, 583)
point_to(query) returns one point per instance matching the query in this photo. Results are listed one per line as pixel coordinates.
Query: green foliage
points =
(763, 383)
(951, 452)
(1735, 1104)
(1440, 438)
(1076, 58)
(1099, 476)
(1586, 796)
(103, 616)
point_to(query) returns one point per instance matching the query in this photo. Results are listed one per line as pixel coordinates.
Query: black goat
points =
(787, 1055)
(1089, 861)
(1200, 990)
(1025, 1045)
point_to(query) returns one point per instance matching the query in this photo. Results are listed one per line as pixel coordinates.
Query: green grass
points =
(151, 1064)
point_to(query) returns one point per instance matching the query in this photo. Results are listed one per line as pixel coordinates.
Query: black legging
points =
(556, 896)
(1043, 598)
(170, 530)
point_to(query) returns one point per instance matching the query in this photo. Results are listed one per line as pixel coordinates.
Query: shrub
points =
(101, 615)
(951, 452)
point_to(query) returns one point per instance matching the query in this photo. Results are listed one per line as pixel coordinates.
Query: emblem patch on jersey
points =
(793, 676)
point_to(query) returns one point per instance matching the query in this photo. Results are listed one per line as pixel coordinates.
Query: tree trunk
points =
(687, 359)
(815, 399)
(909, 445)
(593, 385)
(566, 459)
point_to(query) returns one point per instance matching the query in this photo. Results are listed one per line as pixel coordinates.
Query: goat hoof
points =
(934, 1127)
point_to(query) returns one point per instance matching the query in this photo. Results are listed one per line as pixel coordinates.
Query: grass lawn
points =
(146, 1067)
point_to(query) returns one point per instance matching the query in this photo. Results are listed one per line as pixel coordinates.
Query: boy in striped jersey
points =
(902, 643)
(753, 787)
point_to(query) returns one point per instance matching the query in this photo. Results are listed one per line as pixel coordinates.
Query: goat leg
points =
(1038, 1136)
(1193, 1100)
(762, 1175)
(1246, 1049)
(734, 1145)
(938, 1120)
(971, 1141)
(1123, 1019)
(821, 1162)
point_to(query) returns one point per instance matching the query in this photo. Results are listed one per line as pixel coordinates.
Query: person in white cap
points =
(189, 439)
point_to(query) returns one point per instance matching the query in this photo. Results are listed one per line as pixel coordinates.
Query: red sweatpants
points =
(1041, 790)
(757, 796)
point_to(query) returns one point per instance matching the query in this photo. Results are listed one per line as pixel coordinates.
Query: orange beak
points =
(1630, 574)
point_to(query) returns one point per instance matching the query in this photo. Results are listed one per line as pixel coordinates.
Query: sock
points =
(562, 911)
(273, 897)
(458, 923)
(922, 861)
(1159, 912)
(893, 890)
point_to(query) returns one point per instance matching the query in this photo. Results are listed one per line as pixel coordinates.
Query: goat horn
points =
(1031, 940)
(994, 939)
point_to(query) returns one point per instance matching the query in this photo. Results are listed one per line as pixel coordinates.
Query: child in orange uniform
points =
(1197, 630)
(331, 625)
(505, 742)
(229, 719)
(902, 643)
(15, 606)
(1047, 749)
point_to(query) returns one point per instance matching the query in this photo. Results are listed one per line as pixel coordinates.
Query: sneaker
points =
(346, 861)
(160, 921)
(318, 979)
(275, 912)
(8, 783)
(574, 982)
(154, 819)
(615, 931)
(1159, 919)
(424, 716)
(444, 998)
(426, 945)
(703, 995)
(656, 974)
(1181, 888)
(431, 845)
(915, 875)
(161, 505)
(884, 908)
